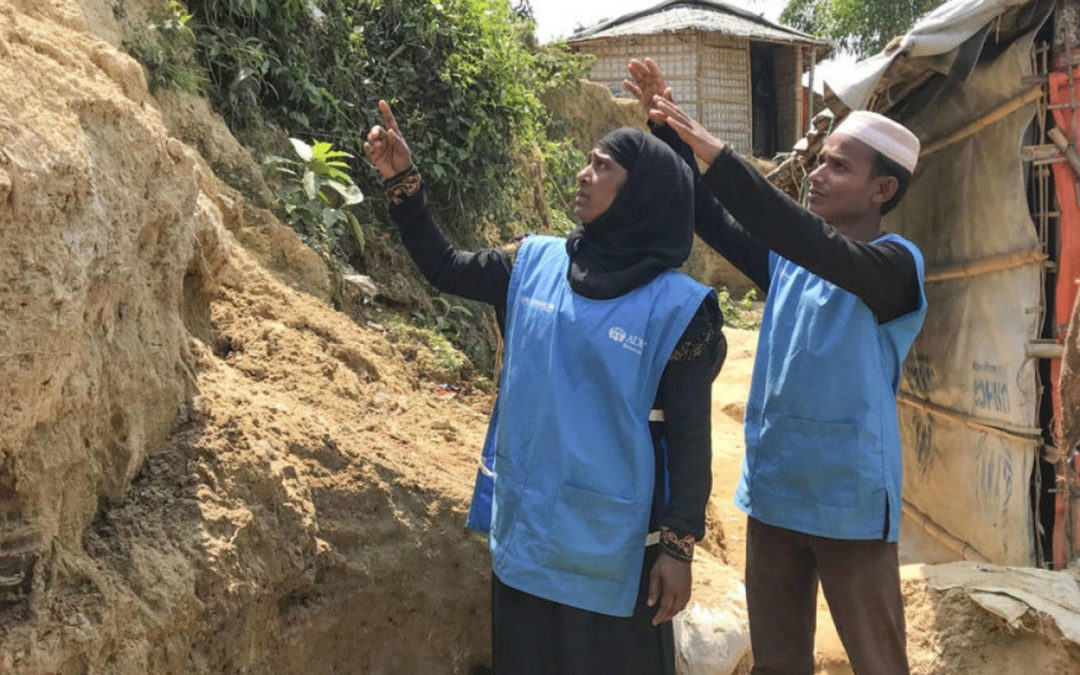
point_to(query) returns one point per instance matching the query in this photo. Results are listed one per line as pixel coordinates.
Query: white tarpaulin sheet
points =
(936, 35)
(1011, 593)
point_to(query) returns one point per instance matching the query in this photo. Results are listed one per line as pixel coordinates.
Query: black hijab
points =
(649, 227)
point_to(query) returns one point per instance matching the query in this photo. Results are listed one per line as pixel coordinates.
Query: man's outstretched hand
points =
(386, 147)
(706, 146)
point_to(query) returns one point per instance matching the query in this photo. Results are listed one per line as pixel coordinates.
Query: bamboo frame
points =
(976, 268)
(1044, 350)
(799, 131)
(749, 93)
(943, 536)
(810, 98)
(700, 46)
(1024, 435)
(999, 113)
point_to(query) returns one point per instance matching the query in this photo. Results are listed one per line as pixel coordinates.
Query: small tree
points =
(862, 27)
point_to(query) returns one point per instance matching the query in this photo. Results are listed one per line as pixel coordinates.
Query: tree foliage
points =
(465, 79)
(862, 27)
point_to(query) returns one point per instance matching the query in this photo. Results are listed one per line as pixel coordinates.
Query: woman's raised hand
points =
(647, 82)
(386, 147)
(706, 146)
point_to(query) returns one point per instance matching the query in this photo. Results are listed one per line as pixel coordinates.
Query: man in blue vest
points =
(822, 474)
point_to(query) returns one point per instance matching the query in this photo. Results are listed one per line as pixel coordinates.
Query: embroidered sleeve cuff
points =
(404, 185)
(680, 548)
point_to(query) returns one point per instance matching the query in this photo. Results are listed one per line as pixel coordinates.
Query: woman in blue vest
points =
(596, 472)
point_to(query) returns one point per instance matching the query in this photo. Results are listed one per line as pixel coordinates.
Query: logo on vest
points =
(630, 342)
(538, 304)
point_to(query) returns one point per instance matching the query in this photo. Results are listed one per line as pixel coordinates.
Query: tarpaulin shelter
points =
(995, 207)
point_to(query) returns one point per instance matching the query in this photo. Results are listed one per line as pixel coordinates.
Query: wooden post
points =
(810, 95)
(799, 131)
(699, 48)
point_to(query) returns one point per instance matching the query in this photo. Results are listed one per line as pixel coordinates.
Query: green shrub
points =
(316, 194)
(166, 48)
(464, 77)
(739, 313)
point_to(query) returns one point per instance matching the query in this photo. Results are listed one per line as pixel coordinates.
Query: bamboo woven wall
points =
(708, 73)
(725, 99)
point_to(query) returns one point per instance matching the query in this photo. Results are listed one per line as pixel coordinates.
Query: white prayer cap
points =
(890, 138)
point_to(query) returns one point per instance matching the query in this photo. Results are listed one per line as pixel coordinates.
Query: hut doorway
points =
(765, 109)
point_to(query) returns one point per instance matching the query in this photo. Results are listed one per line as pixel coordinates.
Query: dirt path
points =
(729, 401)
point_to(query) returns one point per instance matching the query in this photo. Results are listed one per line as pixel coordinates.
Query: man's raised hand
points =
(646, 81)
(706, 146)
(386, 147)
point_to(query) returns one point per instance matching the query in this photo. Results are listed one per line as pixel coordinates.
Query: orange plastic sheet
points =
(1068, 196)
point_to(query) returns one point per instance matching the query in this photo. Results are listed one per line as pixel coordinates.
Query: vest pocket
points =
(594, 534)
(811, 461)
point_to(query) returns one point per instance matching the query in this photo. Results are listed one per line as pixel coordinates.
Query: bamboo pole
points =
(1041, 349)
(1000, 113)
(987, 265)
(1026, 435)
(810, 96)
(943, 536)
(699, 48)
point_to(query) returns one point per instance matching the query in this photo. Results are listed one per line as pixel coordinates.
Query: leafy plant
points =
(464, 76)
(166, 49)
(739, 313)
(449, 320)
(317, 193)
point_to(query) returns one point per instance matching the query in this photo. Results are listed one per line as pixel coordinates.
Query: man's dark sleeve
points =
(714, 224)
(483, 275)
(685, 395)
(882, 274)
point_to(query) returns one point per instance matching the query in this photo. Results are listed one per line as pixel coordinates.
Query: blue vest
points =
(822, 436)
(568, 469)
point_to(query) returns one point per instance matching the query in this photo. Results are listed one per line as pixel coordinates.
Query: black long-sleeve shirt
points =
(685, 387)
(741, 215)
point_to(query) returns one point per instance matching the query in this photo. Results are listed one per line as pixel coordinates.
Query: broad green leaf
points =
(338, 175)
(330, 216)
(303, 150)
(350, 193)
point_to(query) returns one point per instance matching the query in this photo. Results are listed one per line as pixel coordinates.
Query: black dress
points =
(531, 635)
